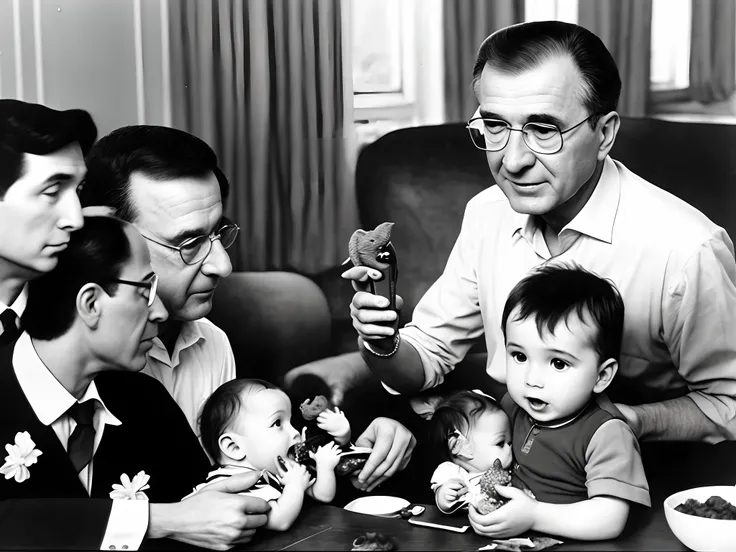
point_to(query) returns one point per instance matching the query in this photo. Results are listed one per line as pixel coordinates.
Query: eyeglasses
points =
(493, 135)
(195, 250)
(151, 286)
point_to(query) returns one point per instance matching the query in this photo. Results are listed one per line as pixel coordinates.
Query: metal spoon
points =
(405, 513)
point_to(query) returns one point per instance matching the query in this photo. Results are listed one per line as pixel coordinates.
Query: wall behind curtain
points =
(262, 82)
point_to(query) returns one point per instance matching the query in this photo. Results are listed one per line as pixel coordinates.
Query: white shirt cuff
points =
(126, 526)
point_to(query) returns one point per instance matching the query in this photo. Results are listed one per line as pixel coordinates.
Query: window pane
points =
(670, 64)
(376, 41)
(551, 10)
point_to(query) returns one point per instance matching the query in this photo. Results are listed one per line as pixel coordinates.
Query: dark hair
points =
(457, 411)
(520, 48)
(158, 152)
(552, 293)
(38, 130)
(96, 254)
(221, 408)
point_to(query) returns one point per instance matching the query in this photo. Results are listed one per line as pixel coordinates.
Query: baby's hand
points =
(336, 424)
(295, 474)
(453, 490)
(327, 456)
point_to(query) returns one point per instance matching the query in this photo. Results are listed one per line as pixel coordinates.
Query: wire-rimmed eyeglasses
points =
(151, 285)
(195, 250)
(493, 134)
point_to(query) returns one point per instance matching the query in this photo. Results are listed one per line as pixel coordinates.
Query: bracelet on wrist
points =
(397, 340)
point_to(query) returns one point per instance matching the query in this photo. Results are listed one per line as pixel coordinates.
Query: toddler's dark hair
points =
(222, 407)
(457, 411)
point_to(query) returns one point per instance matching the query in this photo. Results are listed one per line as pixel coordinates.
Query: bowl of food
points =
(704, 518)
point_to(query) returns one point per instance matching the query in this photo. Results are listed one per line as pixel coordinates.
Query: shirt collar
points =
(189, 334)
(19, 305)
(48, 398)
(595, 219)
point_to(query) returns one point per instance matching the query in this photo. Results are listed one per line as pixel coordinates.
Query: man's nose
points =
(70, 212)
(217, 262)
(516, 155)
(157, 311)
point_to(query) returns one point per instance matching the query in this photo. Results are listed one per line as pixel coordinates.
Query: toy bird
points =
(374, 249)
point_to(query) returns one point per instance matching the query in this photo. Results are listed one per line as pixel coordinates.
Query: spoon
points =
(405, 513)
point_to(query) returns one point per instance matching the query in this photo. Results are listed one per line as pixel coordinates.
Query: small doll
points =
(324, 424)
(246, 426)
(473, 435)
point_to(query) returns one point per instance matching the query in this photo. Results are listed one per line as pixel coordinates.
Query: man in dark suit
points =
(41, 167)
(100, 456)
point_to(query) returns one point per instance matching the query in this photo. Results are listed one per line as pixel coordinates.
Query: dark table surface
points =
(671, 467)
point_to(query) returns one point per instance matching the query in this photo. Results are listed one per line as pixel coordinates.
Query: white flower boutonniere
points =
(20, 455)
(131, 490)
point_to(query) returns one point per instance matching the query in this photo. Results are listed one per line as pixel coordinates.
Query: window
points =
(396, 64)
(670, 62)
(551, 10)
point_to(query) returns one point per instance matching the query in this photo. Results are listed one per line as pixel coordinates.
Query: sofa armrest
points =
(274, 320)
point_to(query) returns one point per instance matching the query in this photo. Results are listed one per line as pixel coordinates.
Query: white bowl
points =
(699, 533)
(376, 505)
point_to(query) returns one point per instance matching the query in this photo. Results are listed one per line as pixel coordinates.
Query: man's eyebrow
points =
(545, 118)
(533, 118)
(64, 177)
(188, 233)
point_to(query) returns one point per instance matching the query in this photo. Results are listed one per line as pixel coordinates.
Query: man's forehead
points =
(68, 160)
(553, 87)
(176, 204)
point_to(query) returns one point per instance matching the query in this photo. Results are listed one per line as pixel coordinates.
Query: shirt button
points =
(125, 547)
(112, 547)
(535, 431)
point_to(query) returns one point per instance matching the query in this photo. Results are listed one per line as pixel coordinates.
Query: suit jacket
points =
(51, 509)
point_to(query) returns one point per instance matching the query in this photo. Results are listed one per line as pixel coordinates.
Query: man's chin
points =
(196, 307)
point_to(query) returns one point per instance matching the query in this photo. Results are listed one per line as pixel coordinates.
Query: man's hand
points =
(217, 517)
(510, 520)
(392, 446)
(369, 311)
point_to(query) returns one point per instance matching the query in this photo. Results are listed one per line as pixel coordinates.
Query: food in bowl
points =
(698, 533)
(714, 508)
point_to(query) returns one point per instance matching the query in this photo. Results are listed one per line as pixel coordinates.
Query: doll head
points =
(247, 422)
(470, 430)
(563, 328)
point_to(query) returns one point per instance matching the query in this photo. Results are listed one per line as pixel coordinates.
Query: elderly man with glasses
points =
(547, 94)
(167, 183)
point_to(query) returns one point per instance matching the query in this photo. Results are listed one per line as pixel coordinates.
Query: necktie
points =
(9, 327)
(82, 440)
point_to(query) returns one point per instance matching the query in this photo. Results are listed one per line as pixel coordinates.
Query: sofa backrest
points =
(421, 178)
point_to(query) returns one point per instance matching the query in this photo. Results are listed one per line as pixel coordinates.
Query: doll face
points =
(263, 430)
(489, 438)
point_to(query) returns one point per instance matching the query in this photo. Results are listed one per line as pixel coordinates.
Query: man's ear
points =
(229, 444)
(607, 126)
(606, 371)
(89, 304)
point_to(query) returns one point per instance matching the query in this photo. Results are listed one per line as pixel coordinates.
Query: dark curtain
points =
(625, 27)
(262, 82)
(467, 23)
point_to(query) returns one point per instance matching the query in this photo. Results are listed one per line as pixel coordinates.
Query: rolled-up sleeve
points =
(699, 315)
(447, 320)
